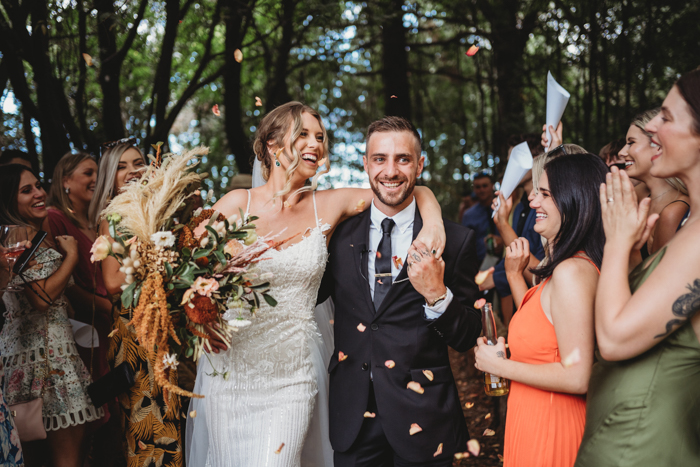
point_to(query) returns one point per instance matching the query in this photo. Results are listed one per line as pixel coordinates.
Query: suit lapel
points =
(360, 239)
(401, 282)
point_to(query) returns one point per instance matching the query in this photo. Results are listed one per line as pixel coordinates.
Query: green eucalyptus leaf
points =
(128, 295)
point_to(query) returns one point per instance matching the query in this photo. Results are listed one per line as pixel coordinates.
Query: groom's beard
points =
(393, 198)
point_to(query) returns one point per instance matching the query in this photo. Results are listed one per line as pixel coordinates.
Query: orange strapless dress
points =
(543, 428)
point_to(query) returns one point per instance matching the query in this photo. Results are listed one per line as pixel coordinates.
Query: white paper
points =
(557, 98)
(518, 165)
(83, 336)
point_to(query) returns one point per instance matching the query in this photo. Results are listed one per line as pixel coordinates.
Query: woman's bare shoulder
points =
(232, 201)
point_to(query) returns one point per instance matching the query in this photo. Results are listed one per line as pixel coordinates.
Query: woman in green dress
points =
(643, 406)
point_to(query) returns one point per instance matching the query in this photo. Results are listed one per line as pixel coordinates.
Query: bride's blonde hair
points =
(273, 129)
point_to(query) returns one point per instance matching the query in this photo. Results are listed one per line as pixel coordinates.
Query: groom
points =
(397, 310)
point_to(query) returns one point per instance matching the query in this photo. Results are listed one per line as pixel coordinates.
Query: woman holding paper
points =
(551, 336)
(643, 399)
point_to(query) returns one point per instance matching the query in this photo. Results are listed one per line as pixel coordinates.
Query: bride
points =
(272, 404)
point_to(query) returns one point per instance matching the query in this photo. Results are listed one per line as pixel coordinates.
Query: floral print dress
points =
(23, 349)
(10, 449)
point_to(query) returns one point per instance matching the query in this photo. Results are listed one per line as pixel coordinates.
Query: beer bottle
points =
(493, 385)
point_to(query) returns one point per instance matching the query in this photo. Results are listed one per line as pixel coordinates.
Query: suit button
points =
(365, 367)
(374, 327)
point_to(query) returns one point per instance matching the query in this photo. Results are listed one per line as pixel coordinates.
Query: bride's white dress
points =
(276, 368)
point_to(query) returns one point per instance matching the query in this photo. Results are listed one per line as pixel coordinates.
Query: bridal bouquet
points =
(181, 288)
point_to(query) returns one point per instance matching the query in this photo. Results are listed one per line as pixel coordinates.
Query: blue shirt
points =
(478, 218)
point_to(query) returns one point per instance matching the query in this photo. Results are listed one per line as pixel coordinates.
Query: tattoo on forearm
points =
(501, 354)
(685, 307)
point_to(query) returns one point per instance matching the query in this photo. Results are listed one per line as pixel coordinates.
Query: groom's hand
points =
(427, 274)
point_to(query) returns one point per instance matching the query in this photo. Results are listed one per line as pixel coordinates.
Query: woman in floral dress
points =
(37, 325)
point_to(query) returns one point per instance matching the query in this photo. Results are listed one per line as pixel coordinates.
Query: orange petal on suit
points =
(415, 428)
(341, 356)
(415, 386)
(472, 50)
(279, 449)
(489, 432)
(474, 447)
(369, 415)
(438, 451)
(481, 277)
(479, 303)
(572, 359)
(379, 255)
(390, 364)
(469, 405)
(360, 206)
(428, 374)
(361, 327)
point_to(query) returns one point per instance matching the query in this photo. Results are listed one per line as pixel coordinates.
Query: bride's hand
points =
(433, 236)
(215, 340)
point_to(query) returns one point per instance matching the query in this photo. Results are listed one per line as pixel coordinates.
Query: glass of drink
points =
(14, 240)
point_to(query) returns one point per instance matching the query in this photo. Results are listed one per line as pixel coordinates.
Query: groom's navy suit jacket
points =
(398, 331)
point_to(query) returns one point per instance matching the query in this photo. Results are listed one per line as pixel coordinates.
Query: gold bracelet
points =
(434, 302)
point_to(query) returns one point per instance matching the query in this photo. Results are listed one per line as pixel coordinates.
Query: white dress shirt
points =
(401, 239)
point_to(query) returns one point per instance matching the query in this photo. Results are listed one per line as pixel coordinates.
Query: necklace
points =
(659, 196)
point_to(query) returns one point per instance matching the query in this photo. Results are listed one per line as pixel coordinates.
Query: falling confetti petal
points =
(193, 414)
(341, 356)
(287, 205)
(572, 359)
(398, 262)
(472, 50)
(258, 102)
(279, 449)
(489, 432)
(394, 97)
(379, 255)
(488, 415)
(331, 321)
(361, 327)
(142, 445)
(390, 364)
(481, 277)
(461, 455)
(479, 303)
(379, 281)
(438, 451)
(469, 405)
(415, 428)
(238, 55)
(428, 374)
(111, 334)
(415, 386)
(215, 109)
(474, 447)
(500, 457)
(88, 59)
(360, 206)
(370, 415)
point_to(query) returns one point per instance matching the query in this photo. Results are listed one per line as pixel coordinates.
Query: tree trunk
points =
(394, 60)
(110, 70)
(278, 92)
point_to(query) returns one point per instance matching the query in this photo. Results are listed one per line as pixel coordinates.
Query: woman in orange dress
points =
(551, 337)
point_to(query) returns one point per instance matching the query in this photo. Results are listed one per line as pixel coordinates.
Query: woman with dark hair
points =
(643, 399)
(554, 324)
(37, 326)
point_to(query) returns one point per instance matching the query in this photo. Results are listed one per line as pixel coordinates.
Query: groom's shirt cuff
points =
(437, 311)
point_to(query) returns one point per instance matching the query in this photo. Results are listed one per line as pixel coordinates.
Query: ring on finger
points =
(610, 200)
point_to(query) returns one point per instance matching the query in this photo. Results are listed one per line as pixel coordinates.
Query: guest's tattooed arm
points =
(685, 307)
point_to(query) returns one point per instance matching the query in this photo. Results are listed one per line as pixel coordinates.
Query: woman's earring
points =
(67, 190)
(277, 162)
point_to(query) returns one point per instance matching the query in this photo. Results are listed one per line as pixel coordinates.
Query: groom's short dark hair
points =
(393, 123)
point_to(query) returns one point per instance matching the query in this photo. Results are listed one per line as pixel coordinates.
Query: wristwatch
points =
(436, 301)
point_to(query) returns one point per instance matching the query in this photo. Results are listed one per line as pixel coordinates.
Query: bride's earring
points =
(67, 190)
(277, 162)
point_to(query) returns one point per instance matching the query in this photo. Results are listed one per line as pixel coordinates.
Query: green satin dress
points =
(645, 412)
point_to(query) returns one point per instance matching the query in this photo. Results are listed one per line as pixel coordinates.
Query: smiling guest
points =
(72, 190)
(669, 197)
(37, 326)
(547, 404)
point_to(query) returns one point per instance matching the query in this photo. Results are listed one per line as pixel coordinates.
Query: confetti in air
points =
(489, 432)
(474, 447)
(481, 277)
(88, 59)
(258, 102)
(238, 55)
(572, 359)
(215, 110)
(279, 449)
(341, 356)
(479, 303)
(472, 50)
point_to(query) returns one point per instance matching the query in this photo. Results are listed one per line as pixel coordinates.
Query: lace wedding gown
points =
(276, 372)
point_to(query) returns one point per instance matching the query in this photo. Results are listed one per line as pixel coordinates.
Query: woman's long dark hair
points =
(10, 176)
(574, 183)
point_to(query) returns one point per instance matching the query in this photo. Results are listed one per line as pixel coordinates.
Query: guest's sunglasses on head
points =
(558, 151)
(110, 144)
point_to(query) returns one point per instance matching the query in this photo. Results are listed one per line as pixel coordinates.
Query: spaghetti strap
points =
(247, 208)
(587, 259)
(318, 224)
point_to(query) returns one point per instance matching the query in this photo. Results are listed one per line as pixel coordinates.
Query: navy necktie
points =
(382, 264)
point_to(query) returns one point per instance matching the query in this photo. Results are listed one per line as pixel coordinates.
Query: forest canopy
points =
(74, 74)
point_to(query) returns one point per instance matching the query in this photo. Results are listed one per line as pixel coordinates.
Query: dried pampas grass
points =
(146, 206)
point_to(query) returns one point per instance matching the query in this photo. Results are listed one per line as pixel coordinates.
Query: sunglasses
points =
(558, 151)
(110, 144)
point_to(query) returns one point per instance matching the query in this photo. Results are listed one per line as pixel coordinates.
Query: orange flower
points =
(204, 311)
